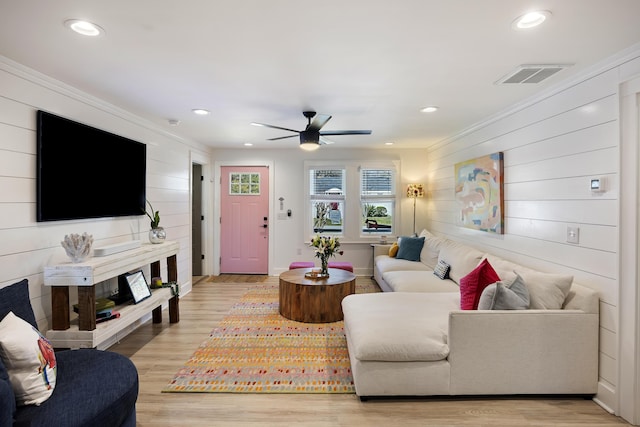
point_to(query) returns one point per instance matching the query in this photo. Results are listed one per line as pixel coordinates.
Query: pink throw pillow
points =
(472, 285)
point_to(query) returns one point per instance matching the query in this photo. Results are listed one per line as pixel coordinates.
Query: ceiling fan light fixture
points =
(309, 140)
(309, 146)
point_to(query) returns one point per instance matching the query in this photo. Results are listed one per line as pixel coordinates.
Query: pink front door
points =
(244, 221)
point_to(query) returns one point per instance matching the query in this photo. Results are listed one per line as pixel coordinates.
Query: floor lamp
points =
(414, 191)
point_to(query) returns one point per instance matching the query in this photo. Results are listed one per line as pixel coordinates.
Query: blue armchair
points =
(93, 387)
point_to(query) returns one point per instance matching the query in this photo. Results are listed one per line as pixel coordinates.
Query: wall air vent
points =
(532, 73)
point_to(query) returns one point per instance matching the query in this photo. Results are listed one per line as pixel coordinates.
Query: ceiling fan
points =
(312, 137)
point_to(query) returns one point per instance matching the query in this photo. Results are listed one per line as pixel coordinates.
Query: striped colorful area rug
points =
(256, 350)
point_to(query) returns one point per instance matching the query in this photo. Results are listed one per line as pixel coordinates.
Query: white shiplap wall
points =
(26, 246)
(552, 147)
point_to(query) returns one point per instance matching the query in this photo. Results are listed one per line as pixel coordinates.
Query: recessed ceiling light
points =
(429, 109)
(388, 143)
(200, 111)
(248, 144)
(85, 28)
(531, 19)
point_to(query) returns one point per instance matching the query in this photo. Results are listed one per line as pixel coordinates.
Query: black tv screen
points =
(84, 172)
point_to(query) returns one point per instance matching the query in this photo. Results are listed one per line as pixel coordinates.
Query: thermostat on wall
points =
(597, 185)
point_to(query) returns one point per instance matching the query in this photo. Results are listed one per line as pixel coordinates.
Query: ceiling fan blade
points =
(346, 132)
(281, 137)
(319, 121)
(325, 141)
(275, 127)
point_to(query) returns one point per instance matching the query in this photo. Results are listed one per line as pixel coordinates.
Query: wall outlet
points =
(573, 235)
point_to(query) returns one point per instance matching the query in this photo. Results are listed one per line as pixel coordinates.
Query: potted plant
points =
(325, 247)
(157, 233)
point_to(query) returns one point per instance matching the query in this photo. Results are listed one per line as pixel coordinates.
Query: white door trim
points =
(216, 208)
(207, 241)
(628, 390)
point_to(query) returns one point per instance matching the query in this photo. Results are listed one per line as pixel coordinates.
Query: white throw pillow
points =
(29, 360)
(430, 249)
(547, 291)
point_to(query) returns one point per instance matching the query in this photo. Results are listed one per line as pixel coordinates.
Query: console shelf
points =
(83, 331)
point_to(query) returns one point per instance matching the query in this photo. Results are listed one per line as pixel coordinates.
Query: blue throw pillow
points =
(16, 298)
(410, 248)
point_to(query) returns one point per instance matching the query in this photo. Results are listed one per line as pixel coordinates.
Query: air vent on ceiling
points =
(532, 73)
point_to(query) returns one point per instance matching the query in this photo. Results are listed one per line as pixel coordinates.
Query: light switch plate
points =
(573, 235)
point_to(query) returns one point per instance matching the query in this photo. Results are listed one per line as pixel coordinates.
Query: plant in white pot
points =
(157, 233)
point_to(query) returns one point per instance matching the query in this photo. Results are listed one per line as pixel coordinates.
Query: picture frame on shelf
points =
(138, 285)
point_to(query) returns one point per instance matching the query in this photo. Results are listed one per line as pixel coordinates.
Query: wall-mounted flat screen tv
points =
(84, 172)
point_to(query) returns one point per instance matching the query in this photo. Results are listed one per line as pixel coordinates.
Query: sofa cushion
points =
(417, 281)
(410, 247)
(385, 263)
(399, 326)
(460, 257)
(16, 298)
(430, 249)
(29, 359)
(472, 285)
(442, 270)
(505, 296)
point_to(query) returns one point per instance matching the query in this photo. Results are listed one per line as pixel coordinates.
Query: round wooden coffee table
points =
(315, 300)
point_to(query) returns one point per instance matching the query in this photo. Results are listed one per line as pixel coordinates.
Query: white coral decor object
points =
(77, 246)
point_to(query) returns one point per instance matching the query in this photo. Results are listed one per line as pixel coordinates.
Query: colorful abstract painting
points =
(478, 190)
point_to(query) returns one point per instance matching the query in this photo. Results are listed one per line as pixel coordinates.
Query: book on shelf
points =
(114, 315)
(104, 308)
(101, 304)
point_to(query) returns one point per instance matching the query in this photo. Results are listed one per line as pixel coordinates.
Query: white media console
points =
(83, 332)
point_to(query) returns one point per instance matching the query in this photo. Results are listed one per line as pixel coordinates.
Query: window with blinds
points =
(377, 199)
(352, 199)
(327, 194)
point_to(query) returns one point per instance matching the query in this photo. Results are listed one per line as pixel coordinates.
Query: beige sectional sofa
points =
(414, 340)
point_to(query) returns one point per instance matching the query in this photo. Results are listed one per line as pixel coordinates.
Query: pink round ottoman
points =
(341, 265)
(301, 264)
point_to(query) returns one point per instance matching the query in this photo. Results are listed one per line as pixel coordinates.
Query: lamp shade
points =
(415, 190)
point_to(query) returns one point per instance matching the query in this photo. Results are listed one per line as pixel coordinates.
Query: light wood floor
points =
(160, 350)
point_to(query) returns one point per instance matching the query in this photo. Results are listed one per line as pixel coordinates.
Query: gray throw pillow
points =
(502, 296)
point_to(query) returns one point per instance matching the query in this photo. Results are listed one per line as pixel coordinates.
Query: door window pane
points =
(241, 183)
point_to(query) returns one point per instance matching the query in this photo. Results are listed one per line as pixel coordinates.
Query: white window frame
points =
(352, 215)
(379, 198)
